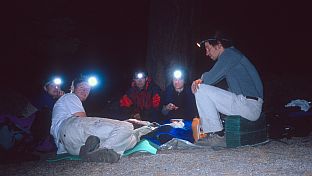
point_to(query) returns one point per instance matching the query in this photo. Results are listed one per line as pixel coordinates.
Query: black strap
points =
(250, 97)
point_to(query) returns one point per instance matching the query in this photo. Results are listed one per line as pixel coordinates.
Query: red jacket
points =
(145, 101)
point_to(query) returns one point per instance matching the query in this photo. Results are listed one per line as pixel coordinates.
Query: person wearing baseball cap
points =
(244, 96)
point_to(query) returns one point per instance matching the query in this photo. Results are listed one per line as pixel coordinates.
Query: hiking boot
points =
(213, 140)
(101, 155)
(91, 152)
(92, 143)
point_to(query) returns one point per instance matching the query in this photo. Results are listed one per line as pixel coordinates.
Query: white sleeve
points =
(73, 104)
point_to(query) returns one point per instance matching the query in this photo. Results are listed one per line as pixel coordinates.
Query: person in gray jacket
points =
(244, 96)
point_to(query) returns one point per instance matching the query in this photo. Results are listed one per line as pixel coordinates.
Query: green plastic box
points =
(240, 131)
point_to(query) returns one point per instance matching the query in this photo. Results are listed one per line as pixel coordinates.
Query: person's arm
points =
(156, 99)
(80, 114)
(125, 101)
(75, 106)
(164, 110)
(169, 107)
(60, 93)
(226, 61)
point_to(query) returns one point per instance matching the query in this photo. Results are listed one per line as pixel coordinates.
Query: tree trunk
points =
(173, 31)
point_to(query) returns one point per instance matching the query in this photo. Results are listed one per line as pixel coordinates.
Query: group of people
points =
(145, 101)
(103, 139)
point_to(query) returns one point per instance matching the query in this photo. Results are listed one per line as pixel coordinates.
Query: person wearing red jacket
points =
(142, 100)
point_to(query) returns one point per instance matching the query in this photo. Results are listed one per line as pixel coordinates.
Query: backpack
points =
(13, 136)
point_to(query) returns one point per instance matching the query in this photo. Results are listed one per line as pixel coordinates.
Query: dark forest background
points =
(113, 38)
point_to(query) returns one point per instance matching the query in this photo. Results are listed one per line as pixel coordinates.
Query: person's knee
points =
(125, 129)
(201, 93)
(126, 125)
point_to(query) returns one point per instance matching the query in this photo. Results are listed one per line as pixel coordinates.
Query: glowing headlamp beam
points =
(57, 81)
(177, 74)
(92, 81)
(140, 75)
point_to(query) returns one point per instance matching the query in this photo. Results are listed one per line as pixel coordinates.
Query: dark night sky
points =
(112, 40)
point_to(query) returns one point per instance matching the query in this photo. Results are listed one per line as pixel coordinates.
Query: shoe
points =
(101, 155)
(92, 153)
(197, 130)
(213, 140)
(92, 143)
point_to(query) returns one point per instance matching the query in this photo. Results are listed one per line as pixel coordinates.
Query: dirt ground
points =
(284, 157)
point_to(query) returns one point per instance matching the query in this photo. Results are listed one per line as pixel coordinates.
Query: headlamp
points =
(177, 74)
(57, 81)
(92, 81)
(140, 75)
(202, 43)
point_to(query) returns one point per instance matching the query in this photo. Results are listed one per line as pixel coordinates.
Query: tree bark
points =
(173, 31)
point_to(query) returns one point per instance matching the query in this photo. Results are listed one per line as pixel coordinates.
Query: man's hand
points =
(136, 116)
(60, 93)
(171, 106)
(80, 114)
(195, 85)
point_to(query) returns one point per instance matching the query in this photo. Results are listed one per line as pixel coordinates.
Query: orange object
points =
(197, 131)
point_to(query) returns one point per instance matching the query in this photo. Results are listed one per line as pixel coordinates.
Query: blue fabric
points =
(165, 132)
(300, 114)
(23, 124)
(15, 131)
(44, 100)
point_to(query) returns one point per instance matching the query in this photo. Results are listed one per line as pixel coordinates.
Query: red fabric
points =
(125, 101)
(142, 99)
(156, 100)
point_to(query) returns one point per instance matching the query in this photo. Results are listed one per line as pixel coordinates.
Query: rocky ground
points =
(285, 157)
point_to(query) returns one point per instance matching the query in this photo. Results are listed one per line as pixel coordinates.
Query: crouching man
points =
(244, 96)
(92, 138)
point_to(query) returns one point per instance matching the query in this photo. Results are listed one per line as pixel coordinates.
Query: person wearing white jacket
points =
(93, 138)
